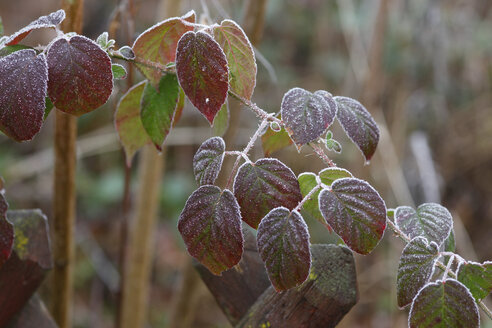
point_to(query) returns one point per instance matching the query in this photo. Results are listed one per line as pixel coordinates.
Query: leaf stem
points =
(397, 231)
(245, 152)
(321, 154)
(238, 153)
(307, 197)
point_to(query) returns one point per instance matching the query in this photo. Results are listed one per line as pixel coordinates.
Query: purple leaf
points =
(358, 124)
(477, 277)
(431, 220)
(80, 76)
(158, 108)
(283, 244)
(6, 232)
(210, 225)
(51, 20)
(128, 123)
(264, 185)
(446, 304)
(26, 268)
(240, 57)
(415, 268)
(307, 115)
(202, 71)
(158, 44)
(23, 83)
(356, 213)
(208, 161)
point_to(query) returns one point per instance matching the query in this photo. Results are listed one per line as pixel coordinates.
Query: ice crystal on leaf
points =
(477, 277)
(208, 160)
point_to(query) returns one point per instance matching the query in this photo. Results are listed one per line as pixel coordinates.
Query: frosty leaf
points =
(431, 221)
(330, 174)
(128, 123)
(1, 27)
(208, 161)
(210, 225)
(449, 244)
(264, 185)
(240, 57)
(221, 120)
(202, 71)
(334, 145)
(356, 213)
(283, 244)
(307, 115)
(80, 77)
(127, 53)
(415, 268)
(477, 277)
(6, 232)
(272, 141)
(119, 72)
(158, 108)
(358, 124)
(104, 42)
(444, 304)
(48, 106)
(51, 20)
(23, 82)
(158, 44)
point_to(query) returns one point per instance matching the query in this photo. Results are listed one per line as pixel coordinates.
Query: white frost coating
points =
(51, 20)
(208, 159)
(461, 312)
(244, 38)
(358, 125)
(486, 275)
(431, 220)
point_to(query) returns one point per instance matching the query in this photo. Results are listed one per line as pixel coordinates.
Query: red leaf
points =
(264, 185)
(283, 244)
(158, 44)
(202, 71)
(210, 225)
(80, 76)
(23, 81)
(50, 20)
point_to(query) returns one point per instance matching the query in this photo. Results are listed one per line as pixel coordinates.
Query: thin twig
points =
(307, 197)
(321, 154)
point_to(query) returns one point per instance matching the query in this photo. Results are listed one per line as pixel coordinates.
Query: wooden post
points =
(64, 193)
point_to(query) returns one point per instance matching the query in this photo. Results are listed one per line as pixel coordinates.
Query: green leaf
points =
(80, 77)
(307, 115)
(127, 53)
(179, 107)
(158, 108)
(444, 304)
(48, 106)
(272, 141)
(128, 123)
(7, 50)
(23, 81)
(356, 212)
(334, 145)
(264, 185)
(240, 57)
(477, 277)
(330, 174)
(358, 124)
(210, 225)
(158, 44)
(208, 161)
(202, 71)
(221, 120)
(283, 244)
(415, 268)
(119, 72)
(104, 42)
(48, 21)
(1, 27)
(431, 220)
(6, 232)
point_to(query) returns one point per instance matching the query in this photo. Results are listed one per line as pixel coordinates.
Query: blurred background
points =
(423, 68)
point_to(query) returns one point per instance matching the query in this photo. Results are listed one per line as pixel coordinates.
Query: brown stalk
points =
(64, 193)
